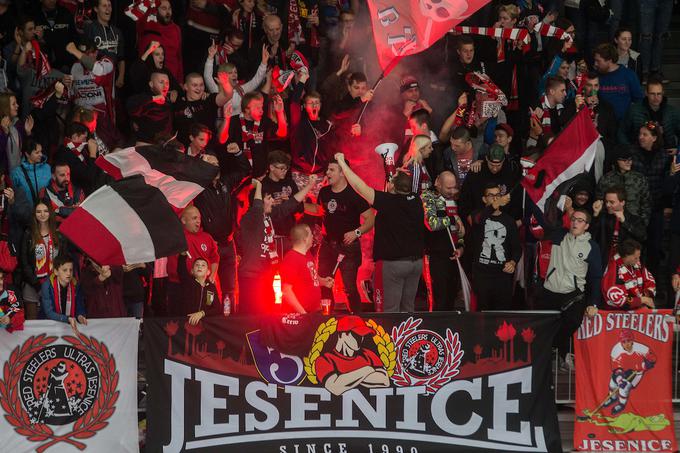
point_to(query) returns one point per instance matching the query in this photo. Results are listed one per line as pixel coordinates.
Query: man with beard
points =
(167, 33)
(441, 214)
(62, 196)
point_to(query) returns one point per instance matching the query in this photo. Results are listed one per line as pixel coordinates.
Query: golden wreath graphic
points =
(382, 341)
(86, 426)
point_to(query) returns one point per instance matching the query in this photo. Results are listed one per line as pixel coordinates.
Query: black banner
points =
(381, 383)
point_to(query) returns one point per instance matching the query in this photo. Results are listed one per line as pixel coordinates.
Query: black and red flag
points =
(126, 222)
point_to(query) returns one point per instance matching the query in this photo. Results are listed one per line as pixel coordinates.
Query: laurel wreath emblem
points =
(448, 371)
(86, 426)
(382, 340)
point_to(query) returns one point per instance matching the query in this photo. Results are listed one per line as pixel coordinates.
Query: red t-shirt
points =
(334, 362)
(299, 271)
(201, 245)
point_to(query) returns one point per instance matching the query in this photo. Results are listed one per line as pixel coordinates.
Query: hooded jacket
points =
(575, 264)
(32, 178)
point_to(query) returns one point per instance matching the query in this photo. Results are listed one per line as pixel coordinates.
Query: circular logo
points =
(58, 385)
(423, 354)
(616, 295)
(332, 205)
(204, 247)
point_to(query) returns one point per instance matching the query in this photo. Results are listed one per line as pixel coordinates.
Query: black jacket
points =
(217, 203)
(194, 296)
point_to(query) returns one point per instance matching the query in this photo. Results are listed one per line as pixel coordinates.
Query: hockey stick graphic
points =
(611, 394)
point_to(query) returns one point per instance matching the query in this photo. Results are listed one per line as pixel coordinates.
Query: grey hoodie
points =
(575, 264)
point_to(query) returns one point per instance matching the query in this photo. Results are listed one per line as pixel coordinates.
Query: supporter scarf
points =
(42, 65)
(247, 135)
(632, 278)
(521, 34)
(294, 26)
(70, 297)
(41, 97)
(269, 239)
(246, 22)
(44, 253)
(546, 120)
(551, 31)
(76, 148)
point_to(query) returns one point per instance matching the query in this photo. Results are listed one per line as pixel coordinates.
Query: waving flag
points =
(406, 27)
(127, 222)
(571, 153)
(178, 176)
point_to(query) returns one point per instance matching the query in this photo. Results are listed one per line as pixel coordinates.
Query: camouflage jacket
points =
(638, 200)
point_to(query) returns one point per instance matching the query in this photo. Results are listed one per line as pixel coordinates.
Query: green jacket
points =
(639, 114)
(638, 201)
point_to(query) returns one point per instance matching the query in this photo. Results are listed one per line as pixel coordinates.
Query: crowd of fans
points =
(277, 95)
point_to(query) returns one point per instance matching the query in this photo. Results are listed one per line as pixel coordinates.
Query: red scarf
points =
(70, 307)
(76, 148)
(42, 64)
(246, 22)
(247, 135)
(294, 26)
(41, 97)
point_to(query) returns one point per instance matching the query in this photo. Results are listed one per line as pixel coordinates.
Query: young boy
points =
(62, 298)
(11, 313)
(199, 296)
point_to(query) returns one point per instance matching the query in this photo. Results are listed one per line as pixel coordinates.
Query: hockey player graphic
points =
(630, 360)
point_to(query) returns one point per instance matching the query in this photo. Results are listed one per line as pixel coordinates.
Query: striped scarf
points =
(70, 305)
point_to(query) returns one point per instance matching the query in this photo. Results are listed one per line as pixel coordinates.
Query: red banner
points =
(623, 382)
(406, 27)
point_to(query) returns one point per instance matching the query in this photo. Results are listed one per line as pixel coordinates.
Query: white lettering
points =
(299, 405)
(178, 374)
(388, 16)
(267, 408)
(474, 389)
(410, 421)
(209, 403)
(503, 406)
(377, 415)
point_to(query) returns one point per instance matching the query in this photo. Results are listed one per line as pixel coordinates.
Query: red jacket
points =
(623, 286)
(201, 245)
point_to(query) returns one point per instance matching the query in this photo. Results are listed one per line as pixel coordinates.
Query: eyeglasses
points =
(578, 220)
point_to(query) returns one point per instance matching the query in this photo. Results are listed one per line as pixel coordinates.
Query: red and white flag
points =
(407, 27)
(180, 177)
(127, 222)
(572, 153)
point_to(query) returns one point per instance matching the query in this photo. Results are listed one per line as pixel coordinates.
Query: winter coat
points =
(31, 178)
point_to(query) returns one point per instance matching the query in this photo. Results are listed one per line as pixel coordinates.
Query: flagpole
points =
(384, 72)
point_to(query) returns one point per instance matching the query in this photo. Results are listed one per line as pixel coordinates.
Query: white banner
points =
(65, 393)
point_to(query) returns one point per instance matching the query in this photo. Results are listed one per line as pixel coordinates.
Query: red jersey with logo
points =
(299, 271)
(200, 245)
(633, 360)
(334, 362)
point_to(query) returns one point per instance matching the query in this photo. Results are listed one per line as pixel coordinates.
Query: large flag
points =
(180, 177)
(127, 222)
(624, 369)
(61, 392)
(572, 153)
(406, 27)
(454, 383)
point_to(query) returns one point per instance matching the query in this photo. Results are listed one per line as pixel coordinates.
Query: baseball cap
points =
(407, 83)
(507, 128)
(626, 335)
(496, 154)
(354, 324)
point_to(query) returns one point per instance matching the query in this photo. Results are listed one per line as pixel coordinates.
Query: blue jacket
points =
(39, 176)
(47, 302)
